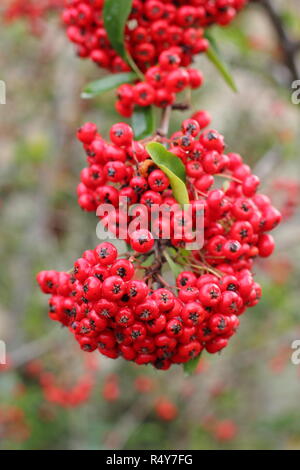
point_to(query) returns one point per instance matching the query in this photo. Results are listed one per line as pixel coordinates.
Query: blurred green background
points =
(245, 398)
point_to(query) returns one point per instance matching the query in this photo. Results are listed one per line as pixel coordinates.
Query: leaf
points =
(107, 83)
(115, 15)
(175, 268)
(213, 55)
(191, 366)
(173, 167)
(148, 262)
(143, 122)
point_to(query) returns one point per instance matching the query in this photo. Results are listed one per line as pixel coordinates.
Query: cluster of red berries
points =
(31, 10)
(162, 83)
(59, 394)
(153, 27)
(237, 219)
(161, 36)
(104, 303)
(66, 397)
(107, 309)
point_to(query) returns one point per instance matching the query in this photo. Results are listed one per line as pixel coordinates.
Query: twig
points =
(165, 122)
(181, 107)
(289, 47)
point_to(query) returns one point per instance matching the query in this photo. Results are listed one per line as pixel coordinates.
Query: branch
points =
(165, 122)
(289, 46)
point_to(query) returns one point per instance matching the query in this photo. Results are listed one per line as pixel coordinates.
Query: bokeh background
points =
(51, 395)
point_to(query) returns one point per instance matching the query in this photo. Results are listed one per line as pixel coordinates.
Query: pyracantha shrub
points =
(104, 302)
(162, 38)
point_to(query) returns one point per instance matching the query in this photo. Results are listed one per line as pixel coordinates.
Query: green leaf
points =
(143, 122)
(191, 366)
(115, 15)
(107, 83)
(173, 167)
(148, 262)
(175, 268)
(214, 56)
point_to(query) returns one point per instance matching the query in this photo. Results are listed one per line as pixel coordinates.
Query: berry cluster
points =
(236, 218)
(32, 10)
(107, 309)
(66, 397)
(162, 37)
(56, 391)
(103, 301)
(153, 27)
(162, 83)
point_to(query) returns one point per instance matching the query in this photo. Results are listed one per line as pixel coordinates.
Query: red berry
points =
(121, 134)
(141, 241)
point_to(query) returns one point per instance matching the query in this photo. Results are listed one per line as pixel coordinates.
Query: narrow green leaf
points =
(160, 155)
(191, 366)
(115, 15)
(173, 167)
(213, 55)
(143, 122)
(107, 83)
(175, 268)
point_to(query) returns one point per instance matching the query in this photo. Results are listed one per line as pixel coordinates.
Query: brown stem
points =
(165, 122)
(289, 47)
(181, 106)
(200, 267)
(229, 177)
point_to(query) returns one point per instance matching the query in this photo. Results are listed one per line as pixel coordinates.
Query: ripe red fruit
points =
(141, 241)
(87, 133)
(106, 253)
(158, 181)
(113, 288)
(121, 134)
(266, 245)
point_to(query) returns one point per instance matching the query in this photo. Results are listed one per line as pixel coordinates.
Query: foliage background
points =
(253, 382)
